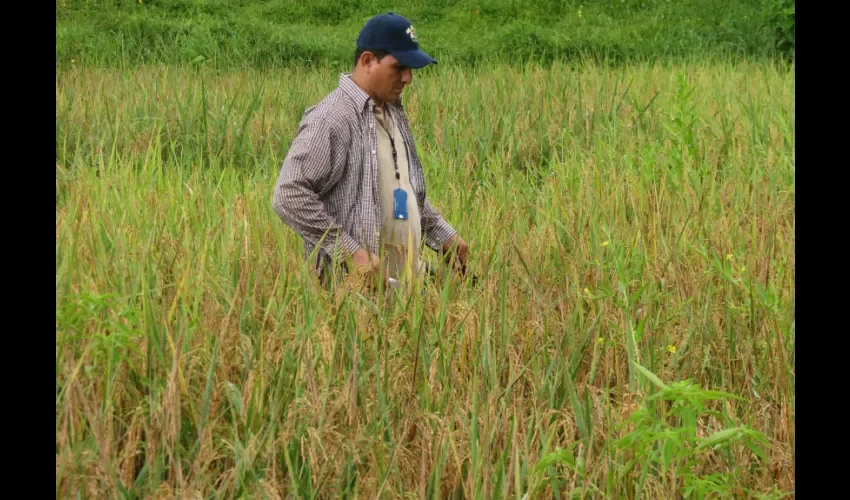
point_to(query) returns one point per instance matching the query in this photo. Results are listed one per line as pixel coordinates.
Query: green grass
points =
(254, 34)
(620, 217)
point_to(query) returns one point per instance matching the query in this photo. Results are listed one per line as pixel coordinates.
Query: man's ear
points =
(366, 58)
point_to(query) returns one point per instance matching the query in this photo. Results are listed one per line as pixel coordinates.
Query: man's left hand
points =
(455, 252)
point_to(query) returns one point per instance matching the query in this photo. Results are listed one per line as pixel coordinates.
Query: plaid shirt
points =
(327, 190)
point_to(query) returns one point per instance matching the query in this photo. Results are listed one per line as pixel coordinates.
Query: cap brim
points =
(414, 58)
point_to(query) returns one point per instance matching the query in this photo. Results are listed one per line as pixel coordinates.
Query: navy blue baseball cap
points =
(394, 34)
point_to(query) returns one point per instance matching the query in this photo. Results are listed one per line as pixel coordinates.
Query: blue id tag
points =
(400, 204)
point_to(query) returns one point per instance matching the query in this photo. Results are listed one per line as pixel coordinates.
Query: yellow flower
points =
(730, 256)
(671, 349)
(586, 291)
(743, 268)
(73, 61)
(606, 243)
(600, 340)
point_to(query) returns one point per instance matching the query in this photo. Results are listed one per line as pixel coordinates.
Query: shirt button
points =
(373, 152)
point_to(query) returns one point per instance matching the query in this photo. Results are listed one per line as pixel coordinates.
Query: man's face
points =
(388, 77)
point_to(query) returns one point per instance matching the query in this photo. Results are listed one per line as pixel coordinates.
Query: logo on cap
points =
(412, 33)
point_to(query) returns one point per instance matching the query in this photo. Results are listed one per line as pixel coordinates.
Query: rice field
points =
(632, 333)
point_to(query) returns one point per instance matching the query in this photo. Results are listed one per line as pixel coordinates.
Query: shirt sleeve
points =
(314, 164)
(434, 227)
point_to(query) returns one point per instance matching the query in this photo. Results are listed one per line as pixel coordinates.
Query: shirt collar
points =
(353, 90)
(361, 98)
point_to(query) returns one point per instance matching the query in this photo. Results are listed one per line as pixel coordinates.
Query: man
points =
(352, 183)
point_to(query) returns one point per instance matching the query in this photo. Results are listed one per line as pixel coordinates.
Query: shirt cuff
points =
(342, 249)
(439, 235)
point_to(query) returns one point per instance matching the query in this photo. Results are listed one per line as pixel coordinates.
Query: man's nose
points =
(407, 76)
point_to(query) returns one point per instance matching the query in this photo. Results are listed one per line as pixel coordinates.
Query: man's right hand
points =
(366, 262)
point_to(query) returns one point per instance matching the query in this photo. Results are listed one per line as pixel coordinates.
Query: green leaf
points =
(578, 410)
(626, 469)
(669, 450)
(651, 376)
(756, 449)
(558, 457)
(712, 395)
(640, 328)
(234, 395)
(140, 481)
(720, 437)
